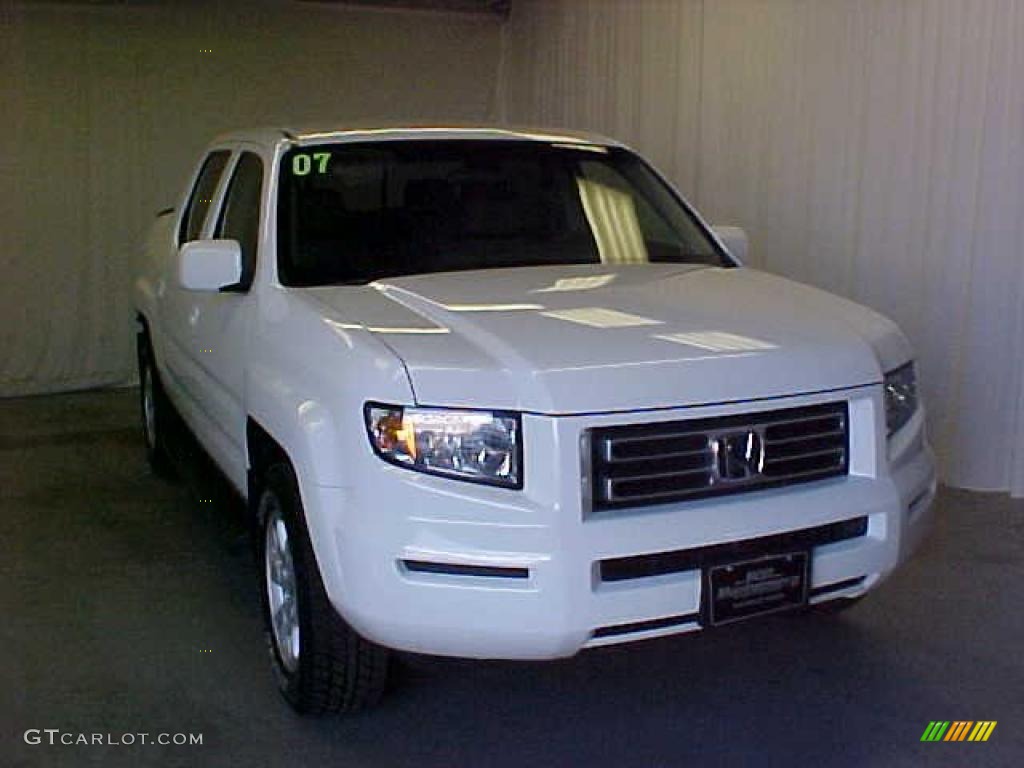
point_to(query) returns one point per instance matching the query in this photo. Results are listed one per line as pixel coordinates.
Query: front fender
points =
(307, 382)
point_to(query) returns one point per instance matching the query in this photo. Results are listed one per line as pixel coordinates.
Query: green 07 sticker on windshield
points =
(303, 164)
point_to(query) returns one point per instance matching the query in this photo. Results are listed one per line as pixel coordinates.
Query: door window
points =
(202, 196)
(240, 215)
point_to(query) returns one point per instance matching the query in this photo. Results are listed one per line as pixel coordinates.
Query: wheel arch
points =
(265, 451)
(144, 332)
(262, 451)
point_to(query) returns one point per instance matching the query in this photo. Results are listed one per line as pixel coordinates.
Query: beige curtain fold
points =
(872, 147)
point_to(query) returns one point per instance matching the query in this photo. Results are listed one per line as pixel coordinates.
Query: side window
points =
(202, 196)
(240, 214)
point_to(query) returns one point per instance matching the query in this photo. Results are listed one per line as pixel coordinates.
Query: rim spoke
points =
(148, 407)
(282, 600)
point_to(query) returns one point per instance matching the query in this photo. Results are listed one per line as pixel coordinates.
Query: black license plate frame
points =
(759, 586)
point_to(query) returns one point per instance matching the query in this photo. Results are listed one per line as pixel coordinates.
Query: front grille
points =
(633, 627)
(678, 561)
(660, 462)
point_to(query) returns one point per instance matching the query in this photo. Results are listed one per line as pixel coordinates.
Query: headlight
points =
(900, 397)
(481, 446)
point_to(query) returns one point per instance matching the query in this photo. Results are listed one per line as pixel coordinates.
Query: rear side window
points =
(202, 196)
(240, 216)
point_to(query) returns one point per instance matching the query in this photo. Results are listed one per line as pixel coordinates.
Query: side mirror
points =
(734, 239)
(209, 265)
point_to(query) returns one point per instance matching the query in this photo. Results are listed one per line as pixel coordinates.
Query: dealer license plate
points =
(755, 587)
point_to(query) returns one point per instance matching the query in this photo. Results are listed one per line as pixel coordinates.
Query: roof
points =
(403, 131)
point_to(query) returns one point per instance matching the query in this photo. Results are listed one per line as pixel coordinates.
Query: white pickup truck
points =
(503, 394)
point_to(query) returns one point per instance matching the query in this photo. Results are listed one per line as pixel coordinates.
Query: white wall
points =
(107, 107)
(872, 147)
(625, 69)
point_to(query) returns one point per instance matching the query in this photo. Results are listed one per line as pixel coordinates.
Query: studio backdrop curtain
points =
(871, 147)
(874, 148)
(107, 106)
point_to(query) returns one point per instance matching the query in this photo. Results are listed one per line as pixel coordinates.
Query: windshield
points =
(352, 213)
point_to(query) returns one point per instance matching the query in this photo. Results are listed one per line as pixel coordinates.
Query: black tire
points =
(328, 666)
(155, 411)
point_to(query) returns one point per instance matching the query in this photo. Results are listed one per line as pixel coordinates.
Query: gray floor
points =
(130, 606)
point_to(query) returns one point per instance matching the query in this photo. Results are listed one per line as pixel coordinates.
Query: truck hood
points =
(594, 338)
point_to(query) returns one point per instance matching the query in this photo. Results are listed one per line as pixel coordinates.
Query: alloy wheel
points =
(148, 408)
(282, 596)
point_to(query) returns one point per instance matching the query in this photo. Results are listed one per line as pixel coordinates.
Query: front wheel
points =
(320, 662)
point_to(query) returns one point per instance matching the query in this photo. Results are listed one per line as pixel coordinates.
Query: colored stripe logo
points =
(958, 730)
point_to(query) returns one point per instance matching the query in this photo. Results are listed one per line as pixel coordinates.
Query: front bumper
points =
(430, 565)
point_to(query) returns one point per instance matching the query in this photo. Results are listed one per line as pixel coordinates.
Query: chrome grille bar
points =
(653, 463)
